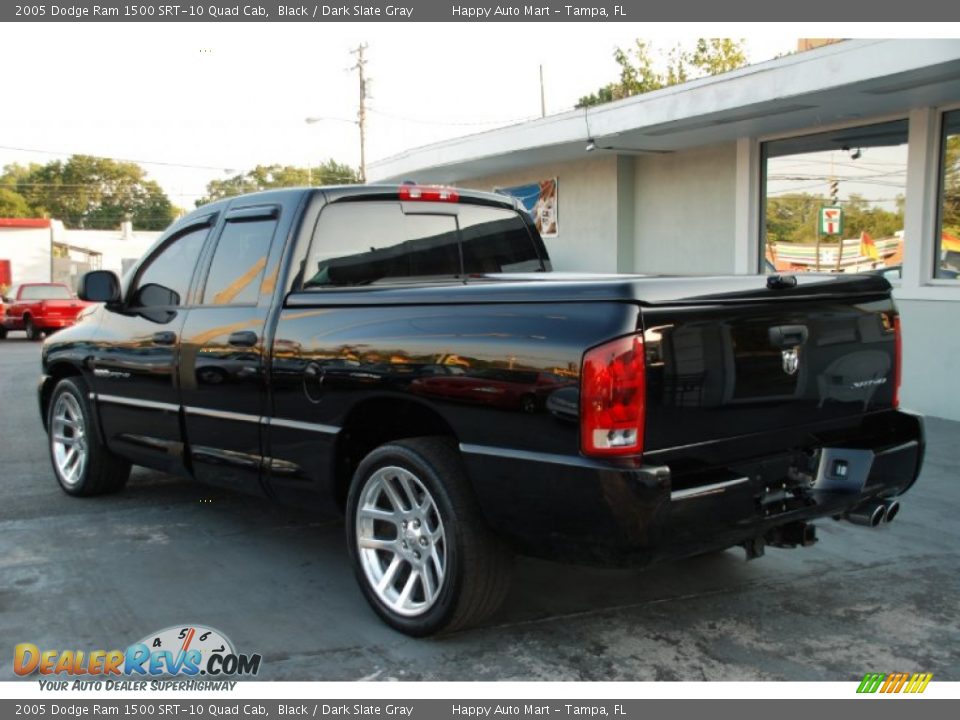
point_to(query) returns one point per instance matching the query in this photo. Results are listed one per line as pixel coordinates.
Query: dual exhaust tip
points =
(873, 512)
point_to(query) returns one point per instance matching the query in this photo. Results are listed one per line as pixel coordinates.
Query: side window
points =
(238, 263)
(496, 240)
(165, 280)
(364, 243)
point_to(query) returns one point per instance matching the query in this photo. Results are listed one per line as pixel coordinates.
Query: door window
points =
(237, 268)
(165, 280)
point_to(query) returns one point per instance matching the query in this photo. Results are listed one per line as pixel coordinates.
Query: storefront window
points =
(947, 261)
(834, 201)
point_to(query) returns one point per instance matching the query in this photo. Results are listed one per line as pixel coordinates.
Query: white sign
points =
(831, 221)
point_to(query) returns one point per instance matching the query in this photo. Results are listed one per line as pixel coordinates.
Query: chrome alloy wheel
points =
(68, 439)
(401, 541)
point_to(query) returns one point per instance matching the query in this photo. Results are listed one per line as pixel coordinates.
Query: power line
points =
(105, 157)
(422, 121)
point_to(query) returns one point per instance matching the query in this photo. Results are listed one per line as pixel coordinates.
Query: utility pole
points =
(362, 112)
(543, 97)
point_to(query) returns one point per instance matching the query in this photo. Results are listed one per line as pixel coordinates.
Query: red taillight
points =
(429, 193)
(897, 360)
(613, 398)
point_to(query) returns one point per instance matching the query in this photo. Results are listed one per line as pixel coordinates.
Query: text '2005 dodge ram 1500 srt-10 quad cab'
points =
(405, 353)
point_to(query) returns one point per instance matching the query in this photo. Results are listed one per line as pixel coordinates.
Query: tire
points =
(3, 333)
(33, 332)
(467, 568)
(81, 464)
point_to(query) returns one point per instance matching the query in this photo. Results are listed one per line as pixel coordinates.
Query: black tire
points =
(478, 565)
(33, 332)
(101, 471)
(3, 333)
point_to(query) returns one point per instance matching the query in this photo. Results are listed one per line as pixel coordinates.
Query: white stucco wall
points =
(685, 211)
(587, 210)
(930, 381)
(28, 250)
(114, 247)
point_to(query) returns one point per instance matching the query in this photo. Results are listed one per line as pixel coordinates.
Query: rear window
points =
(365, 243)
(496, 240)
(45, 292)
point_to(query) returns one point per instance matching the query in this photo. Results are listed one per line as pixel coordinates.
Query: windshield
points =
(45, 292)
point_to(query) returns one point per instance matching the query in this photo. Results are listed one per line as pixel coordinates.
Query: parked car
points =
(667, 416)
(503, 388)
(39, 309)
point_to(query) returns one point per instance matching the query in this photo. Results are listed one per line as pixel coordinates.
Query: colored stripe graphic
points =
(894, 683)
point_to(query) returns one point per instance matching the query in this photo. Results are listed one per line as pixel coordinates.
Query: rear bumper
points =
(590, 511)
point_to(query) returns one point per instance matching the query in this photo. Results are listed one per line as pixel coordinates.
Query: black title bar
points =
(746, 11)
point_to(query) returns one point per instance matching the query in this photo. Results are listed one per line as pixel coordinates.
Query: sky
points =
(195, 102)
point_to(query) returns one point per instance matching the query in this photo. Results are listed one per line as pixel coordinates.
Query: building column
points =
(626, 215)
(920, 211)
(746, 223)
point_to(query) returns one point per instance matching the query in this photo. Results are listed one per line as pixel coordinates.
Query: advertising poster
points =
(540, 200)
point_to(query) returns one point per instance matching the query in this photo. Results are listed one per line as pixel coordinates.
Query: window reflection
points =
(237, 267)
(947, 261)
(862, 172)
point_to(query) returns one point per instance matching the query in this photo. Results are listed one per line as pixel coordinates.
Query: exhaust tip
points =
(891, 510)
(870, 514)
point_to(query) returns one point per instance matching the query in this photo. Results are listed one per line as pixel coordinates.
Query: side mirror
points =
(100, 286)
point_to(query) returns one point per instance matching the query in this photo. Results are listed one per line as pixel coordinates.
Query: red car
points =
(512, 389)
(39, 308)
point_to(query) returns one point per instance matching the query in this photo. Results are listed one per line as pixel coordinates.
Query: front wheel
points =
(82, 464)
(422, 554)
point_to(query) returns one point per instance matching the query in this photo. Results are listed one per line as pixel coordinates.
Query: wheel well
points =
(375, 422)
(56, 373)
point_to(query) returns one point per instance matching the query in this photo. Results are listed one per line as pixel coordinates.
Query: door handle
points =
(784, 336)
(165, 338)
(244, 338)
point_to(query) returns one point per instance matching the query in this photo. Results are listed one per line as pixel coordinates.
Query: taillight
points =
(897, 360)
(612, 398)
(429, 193)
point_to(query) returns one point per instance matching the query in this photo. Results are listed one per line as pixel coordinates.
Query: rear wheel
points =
(3, 333)
(423, 556)
(82, 464)
(33, 332)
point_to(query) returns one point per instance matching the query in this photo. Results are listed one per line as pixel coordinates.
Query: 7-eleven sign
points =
(831, 221)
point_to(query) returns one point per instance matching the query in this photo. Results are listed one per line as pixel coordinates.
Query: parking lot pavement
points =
(104, 572)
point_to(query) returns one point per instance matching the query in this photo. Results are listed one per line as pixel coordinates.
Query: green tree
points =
(638, 75)
(266, 177)
(713, 56)
(951, 186)
(91, 192)
(13, 204)
(794, 217)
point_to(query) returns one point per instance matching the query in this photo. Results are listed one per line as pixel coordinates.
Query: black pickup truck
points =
(405, 354)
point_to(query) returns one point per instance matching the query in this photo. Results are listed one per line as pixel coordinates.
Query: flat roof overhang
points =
(844, 82)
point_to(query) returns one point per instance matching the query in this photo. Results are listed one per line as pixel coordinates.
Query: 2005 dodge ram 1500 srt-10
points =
(405, 353)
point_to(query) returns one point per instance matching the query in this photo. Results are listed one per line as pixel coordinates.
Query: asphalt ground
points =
(101, 573)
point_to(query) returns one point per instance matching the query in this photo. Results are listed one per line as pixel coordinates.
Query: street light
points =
(363, 164)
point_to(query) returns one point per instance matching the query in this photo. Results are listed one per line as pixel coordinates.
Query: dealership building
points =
(696, 178)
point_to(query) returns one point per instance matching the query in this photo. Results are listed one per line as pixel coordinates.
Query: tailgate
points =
(60, 308)
(763, 364)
